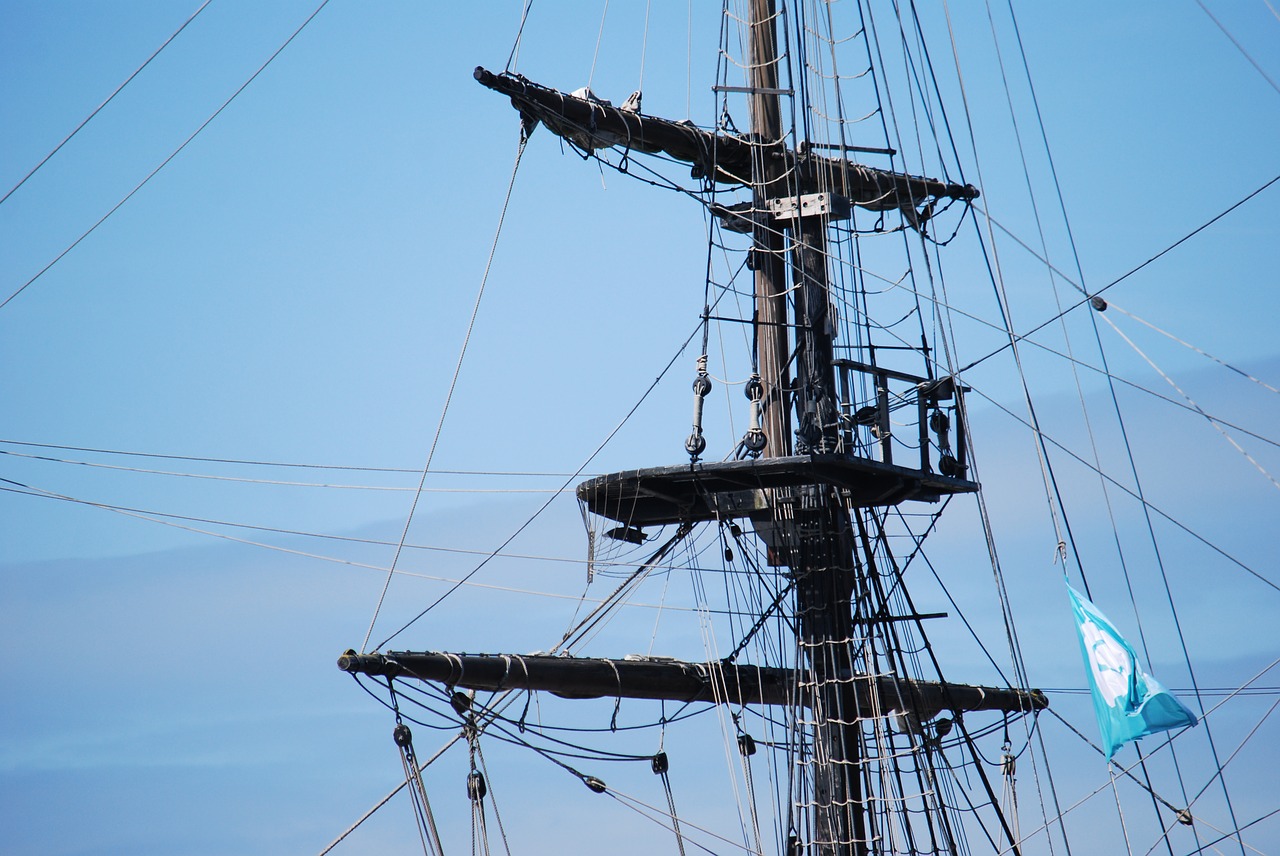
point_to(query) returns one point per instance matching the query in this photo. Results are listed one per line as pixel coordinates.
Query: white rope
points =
(453, 383)
(108, 100)
(165, 162)
(1193, 405)
(380, 803)
(1192, 347)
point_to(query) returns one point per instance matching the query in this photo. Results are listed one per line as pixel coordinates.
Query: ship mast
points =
(821, 555)
(811, 499)
(770, 265)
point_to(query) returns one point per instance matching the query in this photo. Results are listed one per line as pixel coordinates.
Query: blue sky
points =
(296, 284)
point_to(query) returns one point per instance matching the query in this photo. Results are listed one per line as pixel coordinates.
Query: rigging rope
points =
(426, 822)
(1239, 46)
(453, 383)
(643, 397)
(109, 99)
(386, 799)
(1125, 276)
(166, 161)
(1235, 445)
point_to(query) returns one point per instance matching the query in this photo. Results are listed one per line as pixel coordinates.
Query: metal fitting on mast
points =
(755, 440)
(701, 386)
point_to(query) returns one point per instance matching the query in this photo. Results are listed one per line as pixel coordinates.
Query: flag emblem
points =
(1129, 703)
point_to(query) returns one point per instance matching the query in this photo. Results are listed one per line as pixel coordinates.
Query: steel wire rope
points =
(386, 799)
(999, 671)
(1044, 254)
(281, 464)
(1053, 496)
(151, 516)
(615, 599)
(1169, 593)
(1105, 369)
(1035, 211)
(453, 383)
(108, 100)
(457, 737)
(721, 705)
(277, 482)
(1194, 348)
(604, 14)
(1234, 833)
(1253, 62)
(1106, 373)
(514, 56)
(1130, 273)
(636, 805)
(1193, 404)
(1218, 774)
(166, 161)
(1127, 771)
(484, 768)
(1145, 503)
(28, 490)
(1052, 489)
(891, 119)
(708, 635)
(680, 350)
(1151, 531)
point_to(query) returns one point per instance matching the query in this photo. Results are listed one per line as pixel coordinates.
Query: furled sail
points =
(590, 123)
(673, 680)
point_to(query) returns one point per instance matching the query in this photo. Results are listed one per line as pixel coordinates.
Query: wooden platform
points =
(707, 491)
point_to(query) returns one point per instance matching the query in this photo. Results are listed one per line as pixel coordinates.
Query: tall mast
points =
(810, 493)
(769, 242)
(821, 555)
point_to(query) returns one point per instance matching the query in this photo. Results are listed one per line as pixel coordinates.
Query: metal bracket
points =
(829, 205)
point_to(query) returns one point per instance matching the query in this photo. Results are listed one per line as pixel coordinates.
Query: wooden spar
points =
(724, 683)
(724, 158)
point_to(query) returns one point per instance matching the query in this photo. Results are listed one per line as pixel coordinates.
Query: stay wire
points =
(1142, 501)
(1044, 253)
(253, 463)
(1239, 46)
(453, 384)
(515, 46)
(1192, 404)
(626, 418)
(110, 98)
(166, 161)
(1019, 337)
(386, 799)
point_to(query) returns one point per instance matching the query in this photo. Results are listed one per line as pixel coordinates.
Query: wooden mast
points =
(800, 495)
(769, 242)
(821, 557)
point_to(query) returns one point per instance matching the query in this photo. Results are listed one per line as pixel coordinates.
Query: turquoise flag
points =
(1129, 702)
